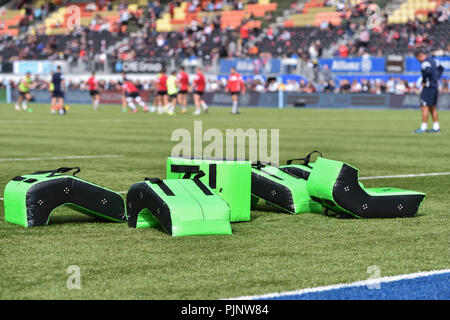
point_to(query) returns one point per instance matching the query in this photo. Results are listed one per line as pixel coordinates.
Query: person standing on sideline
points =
(94, 90)
(24, 92)
(162, 91)
(57, 84)
(235, 86)
(172, 91)
(431, 72)
(183, 80)
(133, 95)
(199, 85)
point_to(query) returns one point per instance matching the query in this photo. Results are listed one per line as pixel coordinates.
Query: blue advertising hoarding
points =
(413, 65)
(366, 65)
(34, 67)
(251, 66)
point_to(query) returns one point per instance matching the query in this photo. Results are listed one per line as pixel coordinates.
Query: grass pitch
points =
(273, 252)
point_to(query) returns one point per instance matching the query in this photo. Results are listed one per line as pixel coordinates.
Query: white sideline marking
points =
(345, 285)
(63, 157)
(407, 175)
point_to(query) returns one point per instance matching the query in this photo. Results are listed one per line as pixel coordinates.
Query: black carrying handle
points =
(306, 160)
(259, 164)
(196, 180)
(200, 184)
(59, 170)
(161, 184)
(186, 169)
(199, 175)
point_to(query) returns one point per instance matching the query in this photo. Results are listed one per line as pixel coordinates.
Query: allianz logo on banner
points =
(254, 65)
(364, 65)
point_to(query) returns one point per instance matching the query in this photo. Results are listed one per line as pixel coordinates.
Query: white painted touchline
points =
(368, 282)
(407, 175)
(64, 157)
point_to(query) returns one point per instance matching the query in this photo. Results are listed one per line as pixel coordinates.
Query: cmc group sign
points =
(138, 67)
(251, 66)
(366, 65)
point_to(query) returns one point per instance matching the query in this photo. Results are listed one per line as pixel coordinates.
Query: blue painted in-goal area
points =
(432, 285)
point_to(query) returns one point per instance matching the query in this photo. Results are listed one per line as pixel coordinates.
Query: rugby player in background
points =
(57, 89)
(94, 91)
(431, 72)
(132, 94)
(199, 85)
(183, 81)
(172, 92)
(24, 92)
(162, 91)
(235, 86)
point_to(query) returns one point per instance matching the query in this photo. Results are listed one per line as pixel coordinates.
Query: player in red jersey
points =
(163, 99)
(183, 80)
(199, 85)
(94, 90)
(235, 86)
(132, 95)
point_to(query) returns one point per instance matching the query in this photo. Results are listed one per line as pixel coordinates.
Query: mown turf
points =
(273, 252)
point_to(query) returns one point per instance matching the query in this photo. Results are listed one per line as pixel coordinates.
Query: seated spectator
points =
(355, 87)
(273, 86)
(310, 88)
(365, 86)
(400, 87)
(444, 86)
(343, 51)
(329, 86)
(413, 89)
(38, 13)
(302, 86)
(291, 86)
(259, 86)
(345, 86)
(218, 6)
(390, 85)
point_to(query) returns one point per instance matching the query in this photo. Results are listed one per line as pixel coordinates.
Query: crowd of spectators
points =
(204, 38)
(33, 14)
(383, 38)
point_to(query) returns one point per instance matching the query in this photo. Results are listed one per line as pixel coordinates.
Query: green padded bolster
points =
(180, 206)
(335, 185)
(282, 189)
(230, 179)
(323, 178)
(30, 199)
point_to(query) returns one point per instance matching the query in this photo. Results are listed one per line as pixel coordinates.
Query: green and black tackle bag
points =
(181, 206)
(30, 199)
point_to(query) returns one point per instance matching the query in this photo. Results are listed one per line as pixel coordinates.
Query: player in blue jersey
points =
(57, 89)
(431, 72)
